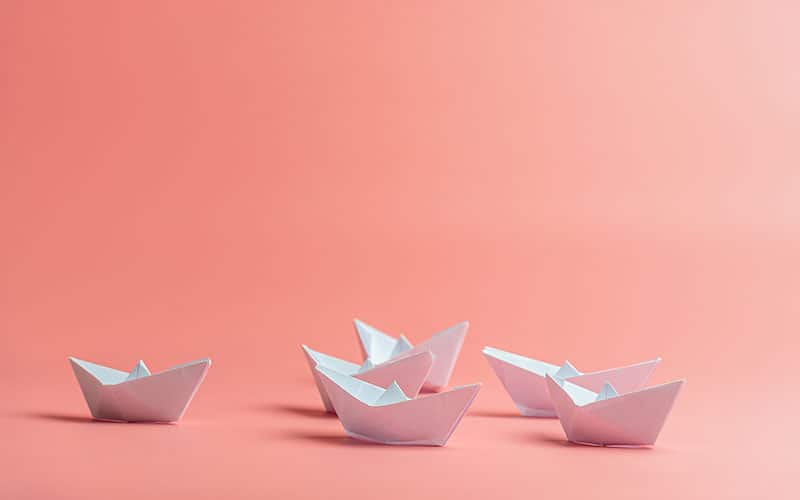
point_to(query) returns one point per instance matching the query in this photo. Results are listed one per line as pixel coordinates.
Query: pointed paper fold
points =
(566, 371)
(139, 371)
(393, 394)
(375, 344)
(428, 420)
(400, 347)
(444, 346)
(606, 392)
(409, 372)
(629, 419)
(366, 366)
(139, 396)
(524, 379)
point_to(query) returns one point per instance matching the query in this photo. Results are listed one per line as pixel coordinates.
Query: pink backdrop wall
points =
(603, 181)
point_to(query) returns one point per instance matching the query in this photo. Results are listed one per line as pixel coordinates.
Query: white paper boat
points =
(138, 395)
(409, 372)
(445, 347)
(524, 379)
(606, 418)
(388, 416)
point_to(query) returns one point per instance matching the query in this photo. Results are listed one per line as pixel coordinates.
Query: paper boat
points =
(408, 372)
(524, 379)
(606, 418)
(388, 416)
(445, 346)
(138, 395)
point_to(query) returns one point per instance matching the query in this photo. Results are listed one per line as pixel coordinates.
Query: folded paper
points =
(138, 395)
(388, 416)
(610, 417)
(445, 346)
(408, 372)
(524, 379)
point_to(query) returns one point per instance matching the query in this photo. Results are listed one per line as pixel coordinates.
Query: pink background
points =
(599, 181)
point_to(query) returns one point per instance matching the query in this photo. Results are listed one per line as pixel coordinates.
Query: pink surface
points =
(599, 181)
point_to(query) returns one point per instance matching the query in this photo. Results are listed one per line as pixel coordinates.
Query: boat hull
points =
(163, 397)
(409, 372)
(425, 421)
(630, 420)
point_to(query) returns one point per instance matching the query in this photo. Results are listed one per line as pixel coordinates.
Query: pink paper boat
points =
(445, 347)
(138, 396)
(524, 379)
(387, 416)
(409, 372)
(610, 419)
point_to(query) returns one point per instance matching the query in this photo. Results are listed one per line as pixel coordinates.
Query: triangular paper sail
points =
(606, 392)
(393, 394)
(566, 371)
(366, 366)
(139, 371)
(375, 344)
(400, 347)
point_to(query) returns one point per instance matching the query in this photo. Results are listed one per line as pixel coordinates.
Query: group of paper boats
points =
(612, 407)
(379, 400)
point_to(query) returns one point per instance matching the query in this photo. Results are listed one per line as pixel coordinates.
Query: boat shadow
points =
(562, 442)
(79, 419)
(493, 414)
(301, 411)
(60, 417)
(329, 439)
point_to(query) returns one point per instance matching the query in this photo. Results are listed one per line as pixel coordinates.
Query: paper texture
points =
(524, 379)
(388, 416)
(408, 372)
(444, 346)
(138, 395)
(611, 419)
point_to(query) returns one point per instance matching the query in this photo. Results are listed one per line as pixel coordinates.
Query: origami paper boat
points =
(138, 395)
(445, 346)
(408, 372)
(524, 379)
(388, 416)
(611, 419)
